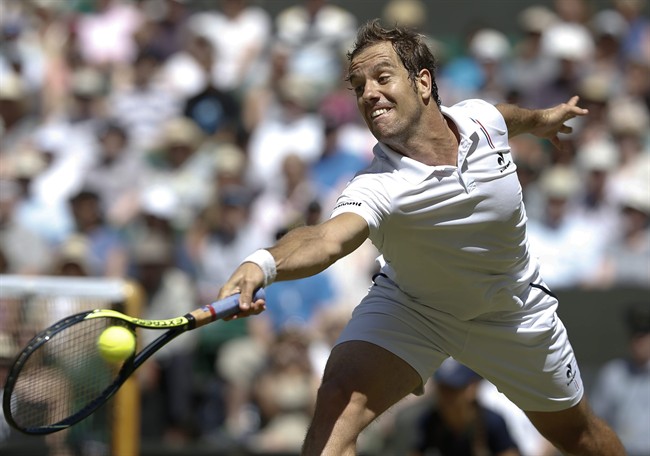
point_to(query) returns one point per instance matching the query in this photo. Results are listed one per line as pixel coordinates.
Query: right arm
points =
(303, 252)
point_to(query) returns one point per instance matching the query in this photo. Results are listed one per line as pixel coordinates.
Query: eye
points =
(358, 89)
(383, 79)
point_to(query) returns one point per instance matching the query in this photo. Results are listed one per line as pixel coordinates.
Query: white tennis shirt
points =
(451, 237)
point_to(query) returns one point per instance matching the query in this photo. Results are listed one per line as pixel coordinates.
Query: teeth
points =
(378, 112)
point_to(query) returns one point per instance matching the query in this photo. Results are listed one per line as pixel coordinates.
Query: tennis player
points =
(442, 203)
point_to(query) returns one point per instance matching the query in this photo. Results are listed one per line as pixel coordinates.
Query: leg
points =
(360, 382)
(577, 431)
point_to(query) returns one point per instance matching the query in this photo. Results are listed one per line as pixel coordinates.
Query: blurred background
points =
(159, 142)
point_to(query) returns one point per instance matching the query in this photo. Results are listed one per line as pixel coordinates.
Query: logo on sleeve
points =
(571, 376)
(503, 162)
(347, 203)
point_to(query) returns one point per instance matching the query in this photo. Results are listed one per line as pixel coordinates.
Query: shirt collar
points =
(415, 171)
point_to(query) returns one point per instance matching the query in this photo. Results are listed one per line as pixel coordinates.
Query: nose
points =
(370, 92)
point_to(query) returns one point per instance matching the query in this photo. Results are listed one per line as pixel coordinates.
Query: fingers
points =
(574, 100)
(246, 280)
(566, 129)
(556, 142)
(574, 109)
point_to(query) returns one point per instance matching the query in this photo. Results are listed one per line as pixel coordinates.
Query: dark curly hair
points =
(410, 46)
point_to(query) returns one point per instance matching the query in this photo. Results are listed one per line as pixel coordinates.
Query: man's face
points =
(386, 97)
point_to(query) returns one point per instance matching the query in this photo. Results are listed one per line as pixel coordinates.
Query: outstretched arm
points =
(544, 123)
(302, 252)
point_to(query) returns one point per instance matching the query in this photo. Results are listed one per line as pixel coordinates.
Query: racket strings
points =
(63, 375)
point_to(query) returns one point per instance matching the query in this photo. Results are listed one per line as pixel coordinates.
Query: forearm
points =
(303, 252)
(519, 120)
(543, 123)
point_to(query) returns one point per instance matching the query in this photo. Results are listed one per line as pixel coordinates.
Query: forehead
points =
(375, 56)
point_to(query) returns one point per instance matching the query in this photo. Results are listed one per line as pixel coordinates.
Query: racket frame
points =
(224, 308)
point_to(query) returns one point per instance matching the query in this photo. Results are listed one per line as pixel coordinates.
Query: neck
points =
(436, 146)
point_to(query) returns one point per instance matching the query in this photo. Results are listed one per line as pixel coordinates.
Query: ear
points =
(424, 83)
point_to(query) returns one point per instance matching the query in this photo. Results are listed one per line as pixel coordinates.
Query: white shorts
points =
(527, 354)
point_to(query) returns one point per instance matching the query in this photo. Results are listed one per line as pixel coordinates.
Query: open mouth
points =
(378, 112)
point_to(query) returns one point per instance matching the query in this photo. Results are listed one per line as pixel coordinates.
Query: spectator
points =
(621, 394)
(163, 27)
(288, 128)
(491, 50)
(568, 248)
(71, 258)
(528, 439)
(143, 105)
(216, 112)
(285, 393)
(20, 54)
(458, 423)
(116, 173)
(335, 166)
(572, 11)
(86, 106)
(182, 162)
(44, 215)
(238, 32)
(628, 124)
(529, 67)
(596, 203)
(17, 118)
(409, 13)
(16, 239)
(625, 261)
(608, 28)
(106, 255)
(105, 36)
(286, 203)
(189, 70)
(318, 33)
(221, 237)
(570, 46)
(166, 378)
(637, 37)
(531, 159)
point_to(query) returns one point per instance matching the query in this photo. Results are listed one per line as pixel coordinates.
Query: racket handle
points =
(227, 307)
(221, 309)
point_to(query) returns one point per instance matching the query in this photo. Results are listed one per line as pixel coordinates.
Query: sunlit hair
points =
(410, 46)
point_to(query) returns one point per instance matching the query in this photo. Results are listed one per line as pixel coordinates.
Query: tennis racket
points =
(60, 377)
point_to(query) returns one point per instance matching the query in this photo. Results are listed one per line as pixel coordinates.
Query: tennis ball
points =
(116, 344)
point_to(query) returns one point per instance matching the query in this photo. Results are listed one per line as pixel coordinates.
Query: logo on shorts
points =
(571, 376)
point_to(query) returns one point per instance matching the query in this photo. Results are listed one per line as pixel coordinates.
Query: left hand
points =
(552, 120)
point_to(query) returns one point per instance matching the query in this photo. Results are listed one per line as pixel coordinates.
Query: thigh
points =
(529, 359)
(387, 319)
(370, 372)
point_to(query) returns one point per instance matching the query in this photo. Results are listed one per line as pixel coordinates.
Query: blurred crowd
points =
(162, 141)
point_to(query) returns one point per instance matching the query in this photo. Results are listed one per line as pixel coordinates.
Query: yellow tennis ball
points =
(116, 344)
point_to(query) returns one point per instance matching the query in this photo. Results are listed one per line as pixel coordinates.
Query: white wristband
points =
(266, 262)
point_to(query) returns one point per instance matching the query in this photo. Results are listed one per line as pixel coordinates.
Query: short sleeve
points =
(367, 197)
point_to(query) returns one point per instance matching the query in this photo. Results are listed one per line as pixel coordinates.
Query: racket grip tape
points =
(221, 309)
(229, 306)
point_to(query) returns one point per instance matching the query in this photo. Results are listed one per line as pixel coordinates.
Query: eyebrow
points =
(382, 64)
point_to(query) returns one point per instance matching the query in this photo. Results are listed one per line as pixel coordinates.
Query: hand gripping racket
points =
(60, 377)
